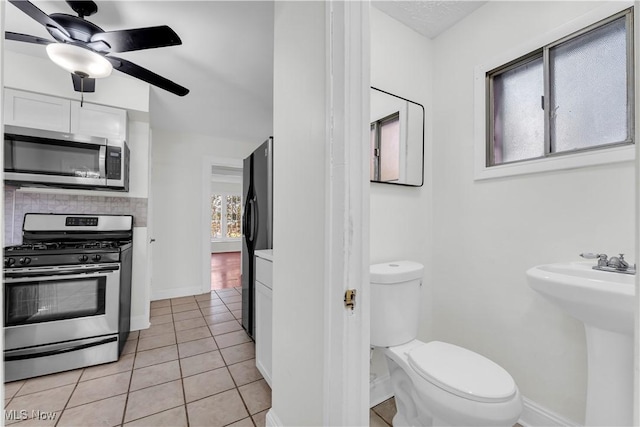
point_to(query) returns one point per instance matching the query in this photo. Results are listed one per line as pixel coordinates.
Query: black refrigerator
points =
(257, 222)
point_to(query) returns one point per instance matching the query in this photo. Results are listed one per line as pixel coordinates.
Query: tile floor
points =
(195, 366)
(382, 414)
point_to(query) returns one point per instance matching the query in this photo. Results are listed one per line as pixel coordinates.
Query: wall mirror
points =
(397, 140)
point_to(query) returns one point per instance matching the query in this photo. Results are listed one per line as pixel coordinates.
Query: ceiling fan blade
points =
(25, 38)
(35, 13)
(83, 85)
(143, 74)
(138, 38)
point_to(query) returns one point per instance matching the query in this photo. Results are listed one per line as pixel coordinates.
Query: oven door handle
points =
(55, 349)
(26, 276)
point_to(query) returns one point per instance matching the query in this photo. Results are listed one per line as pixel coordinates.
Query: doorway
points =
(222, 233)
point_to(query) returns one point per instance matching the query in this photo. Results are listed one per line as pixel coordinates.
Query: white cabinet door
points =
(263, 332)
(98, 120)
(36, 111)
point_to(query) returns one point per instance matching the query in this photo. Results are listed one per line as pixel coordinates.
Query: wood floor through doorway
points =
(225, 270)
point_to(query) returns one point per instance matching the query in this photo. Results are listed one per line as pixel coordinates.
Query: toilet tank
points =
(395, 302)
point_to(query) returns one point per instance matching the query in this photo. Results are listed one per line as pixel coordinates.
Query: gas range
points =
(63, 253)
(67, 293)
(52, 240)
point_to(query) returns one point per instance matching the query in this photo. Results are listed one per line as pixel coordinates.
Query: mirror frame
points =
(423, 137)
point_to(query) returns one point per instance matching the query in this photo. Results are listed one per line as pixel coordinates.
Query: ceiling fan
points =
(84, 49)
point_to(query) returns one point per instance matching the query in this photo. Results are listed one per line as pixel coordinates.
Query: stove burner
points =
(48, 246)
(97, 244)
(40, 246)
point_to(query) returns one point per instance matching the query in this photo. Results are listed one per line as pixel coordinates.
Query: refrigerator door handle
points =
(253, 218)
(245, 220)
(256, 218)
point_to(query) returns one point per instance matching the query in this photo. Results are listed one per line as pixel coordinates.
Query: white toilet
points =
(435, 383)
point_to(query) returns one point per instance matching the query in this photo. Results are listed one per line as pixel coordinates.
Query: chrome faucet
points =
(614, 264)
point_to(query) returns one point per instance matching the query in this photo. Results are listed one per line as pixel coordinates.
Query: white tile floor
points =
(195, 366)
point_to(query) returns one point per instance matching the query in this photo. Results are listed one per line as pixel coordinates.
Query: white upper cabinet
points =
(36, 111)
(98, 120)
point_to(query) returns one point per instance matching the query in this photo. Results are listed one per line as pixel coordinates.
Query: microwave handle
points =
(103, 161)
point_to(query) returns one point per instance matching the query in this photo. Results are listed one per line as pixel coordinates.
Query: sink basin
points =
(599, 298)
(604, 302)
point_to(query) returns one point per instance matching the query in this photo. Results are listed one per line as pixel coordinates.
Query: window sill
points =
(570, 161)
(225, 240)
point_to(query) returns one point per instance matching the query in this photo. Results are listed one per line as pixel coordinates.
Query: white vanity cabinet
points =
(38, 111)
(263, 304)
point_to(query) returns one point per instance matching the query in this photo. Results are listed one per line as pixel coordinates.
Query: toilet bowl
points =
(434, 383)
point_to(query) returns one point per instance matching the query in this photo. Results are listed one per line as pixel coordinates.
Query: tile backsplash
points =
(17, 203)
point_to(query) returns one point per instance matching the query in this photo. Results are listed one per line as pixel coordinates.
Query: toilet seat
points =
(462, 372)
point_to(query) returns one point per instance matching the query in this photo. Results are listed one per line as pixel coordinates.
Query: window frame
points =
(223, 216)
(539, 48)
(376, 128)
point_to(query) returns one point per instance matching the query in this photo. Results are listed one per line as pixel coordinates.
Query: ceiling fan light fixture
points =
(78, 60)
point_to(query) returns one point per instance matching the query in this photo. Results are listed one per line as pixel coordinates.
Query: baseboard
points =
(138, 323)
(175, 293)
(380, 390)
(272, 420)
(535, 415)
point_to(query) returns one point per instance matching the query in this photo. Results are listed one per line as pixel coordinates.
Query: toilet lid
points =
(462, 372)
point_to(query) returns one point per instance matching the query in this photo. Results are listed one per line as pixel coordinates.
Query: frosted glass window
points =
(373, 155)
(390, 150)
(385, 149)
(518, 125)
(574, 94)
(588, 76)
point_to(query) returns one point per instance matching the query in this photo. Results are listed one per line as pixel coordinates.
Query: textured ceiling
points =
(428, 17)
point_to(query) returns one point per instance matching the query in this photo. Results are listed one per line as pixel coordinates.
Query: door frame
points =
(209, 162)
(636, 338)
(346, 340)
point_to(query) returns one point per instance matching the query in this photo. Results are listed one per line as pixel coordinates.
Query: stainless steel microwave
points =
(44, 158)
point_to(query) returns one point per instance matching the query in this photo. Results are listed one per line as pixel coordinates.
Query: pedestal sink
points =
(604, 302)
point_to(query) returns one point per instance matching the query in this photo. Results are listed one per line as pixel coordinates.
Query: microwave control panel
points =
(114, 163)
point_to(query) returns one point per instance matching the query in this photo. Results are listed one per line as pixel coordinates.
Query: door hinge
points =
(350, 298)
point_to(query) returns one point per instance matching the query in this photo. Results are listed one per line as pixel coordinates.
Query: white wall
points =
(402, 63)
(176, 202)
(299, 207)
(486, 234)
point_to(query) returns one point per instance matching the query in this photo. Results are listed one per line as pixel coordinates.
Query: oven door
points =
(56, 304)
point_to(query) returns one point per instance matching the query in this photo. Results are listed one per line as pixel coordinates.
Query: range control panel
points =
(86, 221)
